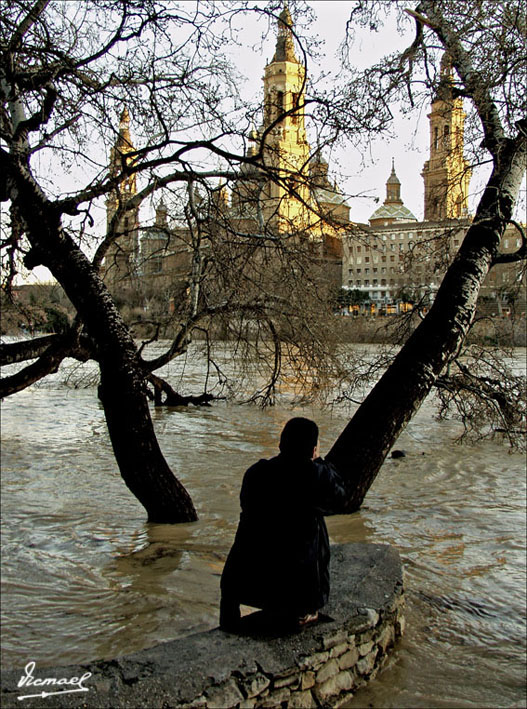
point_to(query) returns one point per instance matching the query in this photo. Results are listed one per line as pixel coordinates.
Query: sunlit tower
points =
(446, 174)
(122, 256)
(286, 147)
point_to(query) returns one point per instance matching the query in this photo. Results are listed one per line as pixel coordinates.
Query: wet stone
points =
(372, 616)
(339, 650)
(365, 665)
(386, 638)
(349, 659)
(247, 704)
(333, 640)
(255, 685)
(400, 626)
(225, 695)
(308, 680)
(340, 682)
(313, 662)
(276, 698)
(328, 670)
(365, 648)
(342, 701)
(344, 681)
(302, 700)
(288, 681)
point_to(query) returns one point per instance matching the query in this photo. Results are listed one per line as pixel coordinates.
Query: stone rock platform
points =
(317, 666)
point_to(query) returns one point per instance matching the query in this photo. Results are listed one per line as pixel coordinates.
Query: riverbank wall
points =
(490, 331)
(316, 666)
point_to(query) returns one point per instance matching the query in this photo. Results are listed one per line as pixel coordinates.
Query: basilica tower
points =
(286, 148)
(120, 260)
(446, 174)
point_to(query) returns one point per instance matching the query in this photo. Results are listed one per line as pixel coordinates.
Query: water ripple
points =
(84, 576)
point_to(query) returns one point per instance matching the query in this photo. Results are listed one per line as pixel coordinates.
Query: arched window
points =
(446, 135)
(294, 117)
(280, 101)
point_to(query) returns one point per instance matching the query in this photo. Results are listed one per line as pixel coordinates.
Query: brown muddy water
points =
(84, 577)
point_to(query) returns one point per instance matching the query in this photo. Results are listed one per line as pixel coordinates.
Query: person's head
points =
(299, 438)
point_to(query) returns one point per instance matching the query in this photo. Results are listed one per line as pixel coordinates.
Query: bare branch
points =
(49, 359)
(520, 254)
(32, 16)
(429, 13)
(13, 352)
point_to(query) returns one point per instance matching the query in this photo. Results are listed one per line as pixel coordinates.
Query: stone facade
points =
(292, 197)
(406, 260)
(446, 174)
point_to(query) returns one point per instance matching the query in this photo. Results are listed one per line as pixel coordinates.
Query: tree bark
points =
(164, 395)
(123, 388)
(365, 442)
(13, 352)
(48, 362)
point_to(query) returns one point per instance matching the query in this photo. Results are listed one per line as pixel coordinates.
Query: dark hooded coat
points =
(280, 557)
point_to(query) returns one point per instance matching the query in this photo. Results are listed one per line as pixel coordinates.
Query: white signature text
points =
(74, 684)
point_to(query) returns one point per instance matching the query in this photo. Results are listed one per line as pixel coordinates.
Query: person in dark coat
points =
(279, 561)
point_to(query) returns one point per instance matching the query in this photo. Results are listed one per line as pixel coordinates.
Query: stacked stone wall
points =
(342, 662)
(321, 665)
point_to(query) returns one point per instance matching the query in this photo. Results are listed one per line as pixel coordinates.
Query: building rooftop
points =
(393, 212)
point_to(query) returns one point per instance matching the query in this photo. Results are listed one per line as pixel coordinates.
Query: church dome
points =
(391, 213)
(393, 179)
(393, 209)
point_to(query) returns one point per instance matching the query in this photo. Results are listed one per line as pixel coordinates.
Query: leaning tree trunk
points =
(365, 442)
(123, 389)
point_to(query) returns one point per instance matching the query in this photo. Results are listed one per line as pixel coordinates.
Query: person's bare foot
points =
(308, 619)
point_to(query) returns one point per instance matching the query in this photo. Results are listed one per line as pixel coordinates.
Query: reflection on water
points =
(85, 577)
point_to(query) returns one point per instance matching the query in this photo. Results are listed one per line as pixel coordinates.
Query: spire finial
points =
(125, 118)
(446, 79)
(161, 214)
(124, 140)
(284, 19)
(446, 65)
(285, 50)
(393, 187)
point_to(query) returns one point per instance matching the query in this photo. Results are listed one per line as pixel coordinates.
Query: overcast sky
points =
(357, 174)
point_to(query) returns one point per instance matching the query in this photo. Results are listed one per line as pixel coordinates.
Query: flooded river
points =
(84, 577)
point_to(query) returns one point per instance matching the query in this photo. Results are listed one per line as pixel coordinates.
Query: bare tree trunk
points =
(123, 387)
(365, 442)
(135, 445)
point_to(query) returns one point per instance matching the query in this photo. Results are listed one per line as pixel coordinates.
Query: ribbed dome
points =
(393, 209)
(328, 196)
(393, 212)
(393, 179)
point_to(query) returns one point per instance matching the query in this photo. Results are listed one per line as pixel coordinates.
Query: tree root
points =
(164, 395)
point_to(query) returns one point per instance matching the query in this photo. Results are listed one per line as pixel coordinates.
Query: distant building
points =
(396, 260)
(300, 200)
(391, 262)
(446, 173)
